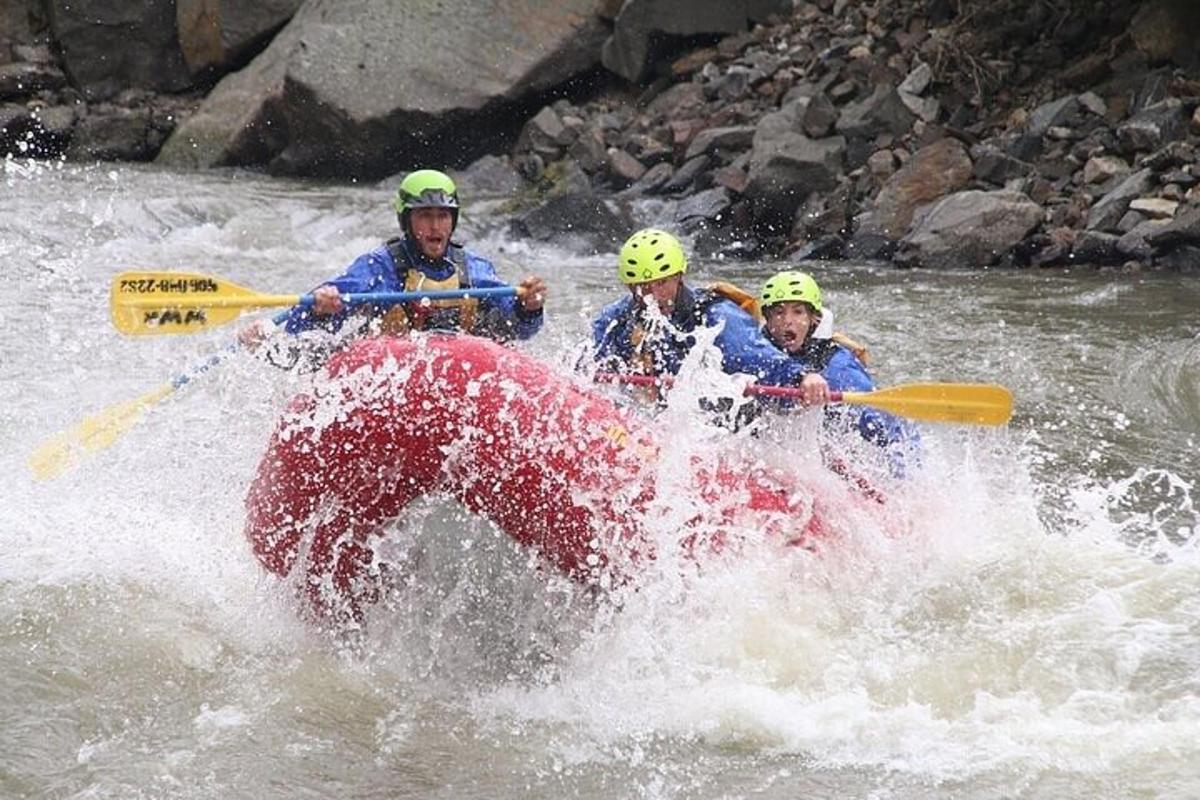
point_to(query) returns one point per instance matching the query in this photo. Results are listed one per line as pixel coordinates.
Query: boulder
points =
(786, 166)
(216, 35)
(310, 103)
(969, 229)
(110, 45)
(160, 45)
(933, 172)
(21, 21)
(1107, 212)
(579, 219)
(113, 133)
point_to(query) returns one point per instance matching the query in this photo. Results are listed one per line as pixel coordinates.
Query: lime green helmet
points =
(791, 287)
(650, 254)
(426, 188)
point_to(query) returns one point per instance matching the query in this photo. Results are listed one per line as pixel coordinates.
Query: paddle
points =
(155, 303)
(98, 431)
(969, 403)
(148, 303)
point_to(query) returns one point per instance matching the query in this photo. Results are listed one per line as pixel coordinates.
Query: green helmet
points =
(791, 287)
(649, 255)
(426, 188)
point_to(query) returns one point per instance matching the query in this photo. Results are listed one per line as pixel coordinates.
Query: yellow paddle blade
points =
(94, 433)
(970, 403)
(155, 303)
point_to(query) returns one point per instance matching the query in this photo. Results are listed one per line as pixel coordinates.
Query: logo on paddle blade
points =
(174, 316)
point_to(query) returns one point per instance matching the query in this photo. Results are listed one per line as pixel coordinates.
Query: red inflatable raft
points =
(558, 467)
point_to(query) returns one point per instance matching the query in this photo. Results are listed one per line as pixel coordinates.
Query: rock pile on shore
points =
(1016, 136)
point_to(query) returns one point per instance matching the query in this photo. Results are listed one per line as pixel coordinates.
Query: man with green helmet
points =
(792, 309)
(425, 259)
(652, 329)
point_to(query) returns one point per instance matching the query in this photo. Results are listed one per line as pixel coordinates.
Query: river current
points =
(1035, 634)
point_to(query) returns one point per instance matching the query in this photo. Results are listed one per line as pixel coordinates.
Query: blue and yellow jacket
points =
(622, 342)
(844, 372)
(399, 266)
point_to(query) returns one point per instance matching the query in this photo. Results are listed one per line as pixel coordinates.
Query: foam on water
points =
(1018, 618)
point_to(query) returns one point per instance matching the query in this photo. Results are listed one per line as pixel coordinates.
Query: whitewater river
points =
(1035, 633)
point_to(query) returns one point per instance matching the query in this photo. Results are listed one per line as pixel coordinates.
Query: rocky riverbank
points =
(922, 132)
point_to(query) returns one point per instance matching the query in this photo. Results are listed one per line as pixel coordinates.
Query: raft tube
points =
(555, 465)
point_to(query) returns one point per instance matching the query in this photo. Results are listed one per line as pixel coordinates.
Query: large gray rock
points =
(1107, 212)
(628, 52)
(882, 112)
(215, 35)
(365, 88)
(786, 166)
(969, 229)
(580, 220)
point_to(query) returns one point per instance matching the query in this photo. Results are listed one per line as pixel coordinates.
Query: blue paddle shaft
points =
(392, 298)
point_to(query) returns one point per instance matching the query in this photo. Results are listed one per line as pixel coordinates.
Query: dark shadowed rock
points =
(24, 79)
(110, 45)
(686, 175)
(1165, 30)
(1056, 113)
(820, 116)
(578, 219)
(1153, 127)
(993, 165)
(1096, 248)
(589, 150)
(112, 133)
(823, 248)
(719, 141)
(707, 206)
(40, 133)
(21, 21)
(1185, 258)
(623, 169)
(1135, 244)
(1183, 229)
(629, 51)
(882, 112)
(545, 134)
(653, 180)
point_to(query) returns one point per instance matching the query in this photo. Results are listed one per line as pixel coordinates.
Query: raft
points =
(558, 466)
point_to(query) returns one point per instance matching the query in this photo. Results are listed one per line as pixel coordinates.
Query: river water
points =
(1035, 634)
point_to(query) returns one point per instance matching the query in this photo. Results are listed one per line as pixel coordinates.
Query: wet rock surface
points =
(923, 132)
